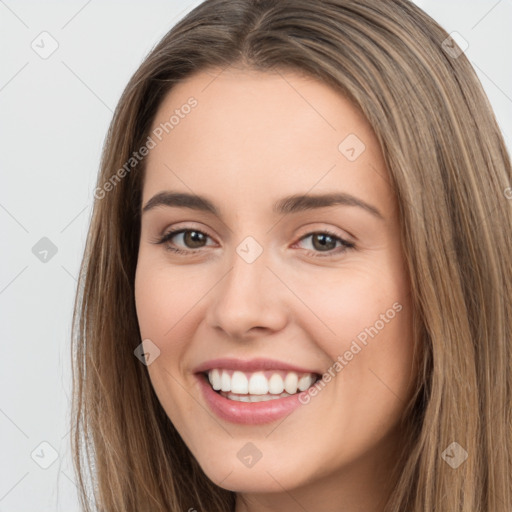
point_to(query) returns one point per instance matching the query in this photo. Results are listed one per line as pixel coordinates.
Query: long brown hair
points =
(451, 173)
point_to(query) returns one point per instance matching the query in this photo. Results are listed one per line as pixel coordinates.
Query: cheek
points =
(377, 358)
(166, 303)
(166, 300)
(353, 305)
(363, 321)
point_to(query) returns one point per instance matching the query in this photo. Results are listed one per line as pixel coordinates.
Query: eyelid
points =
(182, 226)
(175, 231)
(346, 244)
(343, 235)
(325, 227)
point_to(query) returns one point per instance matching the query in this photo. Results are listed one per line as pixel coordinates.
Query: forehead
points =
(252, 135)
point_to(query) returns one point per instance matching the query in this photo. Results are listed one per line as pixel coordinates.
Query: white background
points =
(54, 116)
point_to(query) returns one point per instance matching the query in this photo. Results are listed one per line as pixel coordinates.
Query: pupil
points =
(324, 242)
(194, 239)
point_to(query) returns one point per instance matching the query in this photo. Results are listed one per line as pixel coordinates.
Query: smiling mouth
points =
(258, 386)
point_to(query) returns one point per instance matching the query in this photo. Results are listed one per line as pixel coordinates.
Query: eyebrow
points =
(290, 204)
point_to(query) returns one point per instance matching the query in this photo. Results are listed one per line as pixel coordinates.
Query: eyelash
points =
(346, 245)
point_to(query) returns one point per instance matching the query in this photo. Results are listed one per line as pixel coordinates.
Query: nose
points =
(249, 301)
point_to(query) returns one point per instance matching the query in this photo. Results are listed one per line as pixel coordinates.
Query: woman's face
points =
(263, 285)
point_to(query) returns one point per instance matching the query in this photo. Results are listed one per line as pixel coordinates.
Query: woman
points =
(297, 280)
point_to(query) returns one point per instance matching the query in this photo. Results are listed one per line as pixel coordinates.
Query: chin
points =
(263, 477)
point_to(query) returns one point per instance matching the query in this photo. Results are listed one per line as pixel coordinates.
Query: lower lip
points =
(247, 413)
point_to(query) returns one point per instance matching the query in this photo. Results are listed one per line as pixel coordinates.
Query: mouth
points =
(255, 391)
(258, 386)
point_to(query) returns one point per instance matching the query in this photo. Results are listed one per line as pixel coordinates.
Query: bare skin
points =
(252, 139)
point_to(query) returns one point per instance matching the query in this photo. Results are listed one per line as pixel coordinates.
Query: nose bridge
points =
(247, 296)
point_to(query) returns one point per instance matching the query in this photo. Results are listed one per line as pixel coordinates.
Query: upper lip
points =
(250, 365)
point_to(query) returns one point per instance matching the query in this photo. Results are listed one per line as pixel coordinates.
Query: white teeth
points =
(215, 379)
(276, 384)
(239, 383)
(253, 398)
(290, 383)
(225, 381)
(260, 385)
(243, 398)
(305, 382)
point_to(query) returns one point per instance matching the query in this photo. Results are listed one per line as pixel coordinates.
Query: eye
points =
(193, 239)
(326, 242)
